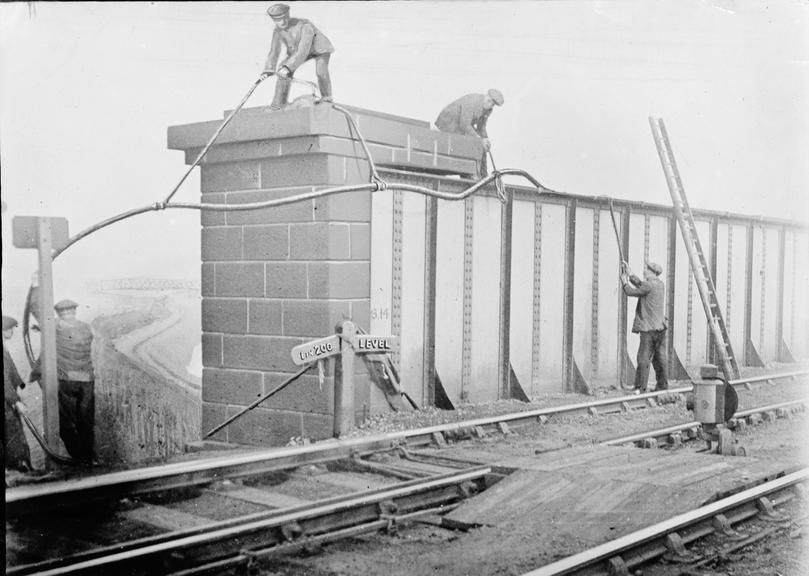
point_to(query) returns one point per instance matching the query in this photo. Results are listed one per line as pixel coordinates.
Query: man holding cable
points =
(650, 323)
(468, 115)
(302, 41)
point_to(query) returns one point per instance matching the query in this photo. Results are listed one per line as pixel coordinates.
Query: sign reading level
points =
(316, 349)
(377, 344)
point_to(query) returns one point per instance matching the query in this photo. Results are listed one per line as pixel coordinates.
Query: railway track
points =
(35, 498)
(138, 527)
(670, 538)
(674, 435)
(235, 524)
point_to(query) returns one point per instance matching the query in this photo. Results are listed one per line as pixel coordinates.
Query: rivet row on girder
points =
(806, 325)
(763, 309)
(537, 296)
(689, 324)
(794, 272)
(468, 238)
(396, 285)
(594, 295)
(729, 281)
(647, 225)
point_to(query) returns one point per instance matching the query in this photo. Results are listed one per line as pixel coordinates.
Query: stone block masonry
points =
(275, 278)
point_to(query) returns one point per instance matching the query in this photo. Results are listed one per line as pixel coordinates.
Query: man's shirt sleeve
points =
(466, 119)
(482, 132)
(275, 52)
(641, 289)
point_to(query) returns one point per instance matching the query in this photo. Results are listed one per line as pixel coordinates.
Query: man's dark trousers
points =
(77, 418)
(652, 348)
(282, 85)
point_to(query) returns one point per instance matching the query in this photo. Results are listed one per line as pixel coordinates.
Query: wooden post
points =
(344, 382)
(47, 324)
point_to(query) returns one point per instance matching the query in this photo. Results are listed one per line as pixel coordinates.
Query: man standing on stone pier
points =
(302, 41)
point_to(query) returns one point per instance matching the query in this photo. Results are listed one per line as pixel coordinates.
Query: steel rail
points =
(141, 557)
(695, 425)
(770, 408)
(198, 530)
(36, 497)
(245, 558)
(767, 378)
(604, 552)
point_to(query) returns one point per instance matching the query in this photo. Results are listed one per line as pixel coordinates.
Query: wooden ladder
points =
(699, 266)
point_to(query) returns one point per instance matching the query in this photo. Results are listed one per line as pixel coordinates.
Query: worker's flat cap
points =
(497, 96)
(65, 305)
(278, 10)
(654, 267)
(9, 322)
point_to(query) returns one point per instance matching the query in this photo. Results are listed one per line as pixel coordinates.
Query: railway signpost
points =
(375, 344)
(348, 343)
(316, 350)
(46, 235)
(353, 344)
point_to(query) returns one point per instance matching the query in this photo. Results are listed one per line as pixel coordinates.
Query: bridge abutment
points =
(274, 278)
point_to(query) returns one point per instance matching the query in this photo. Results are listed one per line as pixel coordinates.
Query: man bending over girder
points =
(468, 115)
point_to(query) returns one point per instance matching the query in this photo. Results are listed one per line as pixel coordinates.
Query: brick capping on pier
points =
(255, 134)
(274, 278)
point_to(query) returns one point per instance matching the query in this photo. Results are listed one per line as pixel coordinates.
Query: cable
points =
(216, 135)
(48, 452)
(247, 409)
(376, 184)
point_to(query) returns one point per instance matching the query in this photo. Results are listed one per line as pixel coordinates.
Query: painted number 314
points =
(380, 313)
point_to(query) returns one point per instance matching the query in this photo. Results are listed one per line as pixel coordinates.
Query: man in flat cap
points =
(468, 115)
(74, 366)
(302, 41)
(16, 454)
(650, 323)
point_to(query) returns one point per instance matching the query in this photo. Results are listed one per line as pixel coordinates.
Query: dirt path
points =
(147, 346)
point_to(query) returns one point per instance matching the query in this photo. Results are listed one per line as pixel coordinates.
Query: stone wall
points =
(275, 278)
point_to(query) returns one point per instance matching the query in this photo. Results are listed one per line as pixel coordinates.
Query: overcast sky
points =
(87, 91)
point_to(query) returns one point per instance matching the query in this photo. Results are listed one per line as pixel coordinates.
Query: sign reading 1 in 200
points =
(316, 349)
